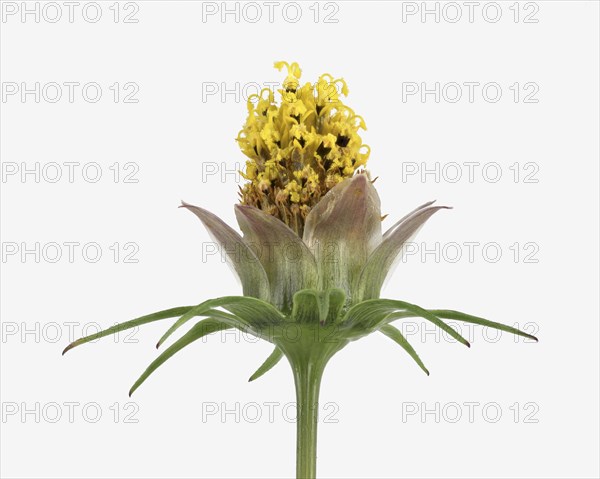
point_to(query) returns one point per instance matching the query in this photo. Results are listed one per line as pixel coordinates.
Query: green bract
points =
(308, 296)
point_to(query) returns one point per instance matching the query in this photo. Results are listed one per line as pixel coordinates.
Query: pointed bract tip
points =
(427, 372)
(246, 210)
(69, 347)
(254, 377)
(131, 391)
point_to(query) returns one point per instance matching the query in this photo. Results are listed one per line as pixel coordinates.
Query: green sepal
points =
(310, 305)
(269, 363)
(167, 313)
(199, 330)
(193, 313)
(394, 334)
(371, 314)
(337, 299)
(250, 314)
(467, 318)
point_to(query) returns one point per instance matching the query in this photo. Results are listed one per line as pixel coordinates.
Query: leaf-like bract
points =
(249, 314)
(167, 313)
(269, 363)
(200, 329)
(394, 334)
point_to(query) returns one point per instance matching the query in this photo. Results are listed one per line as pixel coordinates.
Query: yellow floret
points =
(300, 148)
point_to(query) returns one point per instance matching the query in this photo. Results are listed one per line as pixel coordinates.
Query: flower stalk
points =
(307, 379)
(308, 354)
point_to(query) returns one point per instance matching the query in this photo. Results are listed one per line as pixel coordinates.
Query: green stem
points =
(308, 355)
(307, 378)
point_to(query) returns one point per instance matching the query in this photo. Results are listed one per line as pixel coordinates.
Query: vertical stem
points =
(307, 378)
(308, 355)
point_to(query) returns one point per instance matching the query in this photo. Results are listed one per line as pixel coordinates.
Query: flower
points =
(312, 258)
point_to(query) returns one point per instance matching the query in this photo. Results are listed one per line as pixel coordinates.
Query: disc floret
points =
(299, 147)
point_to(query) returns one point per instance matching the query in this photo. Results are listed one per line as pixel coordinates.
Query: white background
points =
(547, 393)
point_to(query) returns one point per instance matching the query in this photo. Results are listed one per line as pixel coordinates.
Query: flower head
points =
(312, 257)
(300, 147)
(312, 250)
